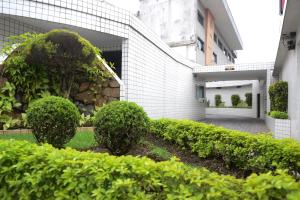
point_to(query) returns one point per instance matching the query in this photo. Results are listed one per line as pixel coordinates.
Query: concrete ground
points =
(246, 124)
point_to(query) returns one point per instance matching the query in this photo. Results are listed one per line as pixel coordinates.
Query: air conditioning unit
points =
(289, 40)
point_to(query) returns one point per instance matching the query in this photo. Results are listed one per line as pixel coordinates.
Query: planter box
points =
(280, 127)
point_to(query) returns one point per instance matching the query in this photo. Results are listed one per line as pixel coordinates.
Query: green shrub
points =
(29, 171)
(119, 125)
(249, 99)
(53, 119)
(235, 100)
(244, 151)
(279, 115)
(56, 62)
(242, 104)
(279, 96)
(218, 100)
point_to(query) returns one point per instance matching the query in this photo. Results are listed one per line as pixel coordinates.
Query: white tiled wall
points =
(153, 76)
(281, 128)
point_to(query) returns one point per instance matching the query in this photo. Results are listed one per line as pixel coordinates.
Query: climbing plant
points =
(55, 63)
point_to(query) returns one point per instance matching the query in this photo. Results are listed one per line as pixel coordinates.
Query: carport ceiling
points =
(96, 38)
(232, 75)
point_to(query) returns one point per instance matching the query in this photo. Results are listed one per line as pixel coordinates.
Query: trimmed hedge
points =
(218, 100)
(29, 171)
(249, 99)
(279, 96)
(53, 119)
(119, 125)
(235, 100)
(279, 115)
(245, 151)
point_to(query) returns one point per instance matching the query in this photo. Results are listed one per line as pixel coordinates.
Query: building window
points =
(215, 38)
(200, 18)
(200, 92)
(201, 44)
(215, 57)
(220, 44)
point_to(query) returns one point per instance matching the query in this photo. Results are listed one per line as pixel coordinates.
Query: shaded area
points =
(251, 125)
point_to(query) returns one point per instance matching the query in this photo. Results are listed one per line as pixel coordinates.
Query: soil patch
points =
(185, 156)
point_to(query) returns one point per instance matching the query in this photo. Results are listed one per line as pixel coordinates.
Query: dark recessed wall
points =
(116, 58)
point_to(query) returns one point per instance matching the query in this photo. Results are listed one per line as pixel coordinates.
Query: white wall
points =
(256, 87)
(291, 73)
(172, 20)
(164, 87)
(226, 93)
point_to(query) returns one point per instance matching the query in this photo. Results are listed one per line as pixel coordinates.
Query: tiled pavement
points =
(251, 125)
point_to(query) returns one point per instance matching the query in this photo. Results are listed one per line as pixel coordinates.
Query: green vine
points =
(54, 63)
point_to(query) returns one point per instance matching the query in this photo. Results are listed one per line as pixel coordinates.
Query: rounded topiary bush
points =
(53, 119)
(235, 100)
(119, 125)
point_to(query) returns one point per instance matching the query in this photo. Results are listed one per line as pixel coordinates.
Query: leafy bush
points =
(7, 104)
(53, 119)
(235, 100)
(119, 125)
(56, 62)
(218, 100)
(249, 99)
(245, 151)
(279, 96)
(242, 104)
(279, 115)
(43, 172)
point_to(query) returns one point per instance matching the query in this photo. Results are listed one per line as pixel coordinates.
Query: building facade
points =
(153, 75)
(287, 64)
(200, 30)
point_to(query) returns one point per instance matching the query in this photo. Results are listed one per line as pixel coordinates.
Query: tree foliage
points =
(55, 62)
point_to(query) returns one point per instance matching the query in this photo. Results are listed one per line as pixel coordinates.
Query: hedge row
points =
(245, 151)
(29, 171)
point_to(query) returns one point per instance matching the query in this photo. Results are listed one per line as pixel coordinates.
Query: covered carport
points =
(259, 73)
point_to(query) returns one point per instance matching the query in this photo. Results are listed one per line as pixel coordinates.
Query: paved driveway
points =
(251, 125)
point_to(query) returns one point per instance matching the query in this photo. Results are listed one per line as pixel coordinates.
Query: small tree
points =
(218, 100)
(279, 96)
(249, 99)
(235, 100)
(119, 125)
(53, 119)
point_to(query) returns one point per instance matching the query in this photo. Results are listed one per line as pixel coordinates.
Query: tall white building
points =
(203, 31)
(287, 64)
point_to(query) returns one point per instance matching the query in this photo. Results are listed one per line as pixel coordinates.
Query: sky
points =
(258, 22)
